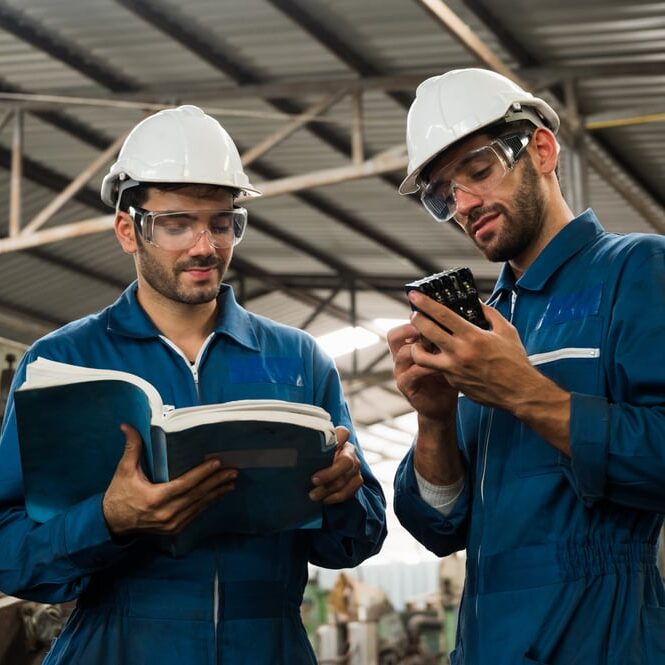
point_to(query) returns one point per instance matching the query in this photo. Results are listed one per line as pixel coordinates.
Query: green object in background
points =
(314, 608)
(450, 626)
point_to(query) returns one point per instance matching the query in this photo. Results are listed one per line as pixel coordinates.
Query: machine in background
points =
(355, 624)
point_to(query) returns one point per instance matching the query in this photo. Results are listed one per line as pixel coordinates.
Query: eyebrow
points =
(181, 215)
(461, 161)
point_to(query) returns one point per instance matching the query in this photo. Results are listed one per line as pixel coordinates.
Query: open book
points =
(68, 420)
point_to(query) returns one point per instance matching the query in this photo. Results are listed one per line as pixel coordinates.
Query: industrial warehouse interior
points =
(315, 95)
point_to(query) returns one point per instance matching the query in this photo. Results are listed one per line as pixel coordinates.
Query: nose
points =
(202, 244)
(465, 201)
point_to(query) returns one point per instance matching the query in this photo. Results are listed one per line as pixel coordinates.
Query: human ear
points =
(544, 150)
(125, 232)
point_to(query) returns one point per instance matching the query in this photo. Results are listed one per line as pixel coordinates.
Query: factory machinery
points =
(355, 624)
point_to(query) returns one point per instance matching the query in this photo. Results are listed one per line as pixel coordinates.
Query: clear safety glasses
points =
(181, 230)
(478, 172)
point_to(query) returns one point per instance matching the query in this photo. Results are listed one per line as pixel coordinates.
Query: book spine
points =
(160, 472)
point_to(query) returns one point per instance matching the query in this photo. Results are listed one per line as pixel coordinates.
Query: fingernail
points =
(316, 480)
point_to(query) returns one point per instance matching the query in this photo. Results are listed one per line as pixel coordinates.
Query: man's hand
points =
(489, 366)
(342, 479)
(132, 504)
(426, 388)
(436, 455)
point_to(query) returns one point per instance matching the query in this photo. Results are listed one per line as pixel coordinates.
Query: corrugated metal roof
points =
(611, 49)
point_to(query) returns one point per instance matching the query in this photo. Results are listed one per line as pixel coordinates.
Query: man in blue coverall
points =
(541, 442)
(236, 599)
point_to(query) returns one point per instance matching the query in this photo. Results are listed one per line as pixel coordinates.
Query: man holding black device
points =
(541, 441)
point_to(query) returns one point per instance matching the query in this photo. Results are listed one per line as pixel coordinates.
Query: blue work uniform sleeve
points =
(441, 534)
(50, 562)
(618, 442)
(354, 530)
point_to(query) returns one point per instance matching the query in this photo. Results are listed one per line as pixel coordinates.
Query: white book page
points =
(182, 419)
(42, 373)
(275, 405)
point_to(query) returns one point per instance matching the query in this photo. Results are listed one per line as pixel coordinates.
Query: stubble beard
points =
(165, 281)
(523, 226)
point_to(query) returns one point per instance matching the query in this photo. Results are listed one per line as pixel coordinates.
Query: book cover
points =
(70, 444)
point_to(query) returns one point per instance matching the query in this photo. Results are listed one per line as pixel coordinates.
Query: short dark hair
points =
(137, 196)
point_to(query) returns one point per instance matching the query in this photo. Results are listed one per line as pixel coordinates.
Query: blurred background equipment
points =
(27, 629)
(6, 377)
(360, 625)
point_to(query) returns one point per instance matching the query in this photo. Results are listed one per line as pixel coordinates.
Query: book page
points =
(246, 405)
(42, 373)
(182, 419)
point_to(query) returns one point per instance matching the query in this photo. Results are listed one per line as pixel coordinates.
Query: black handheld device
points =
(456, 289)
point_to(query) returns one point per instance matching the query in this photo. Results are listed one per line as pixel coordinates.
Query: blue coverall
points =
(561, 551)
(234, 601)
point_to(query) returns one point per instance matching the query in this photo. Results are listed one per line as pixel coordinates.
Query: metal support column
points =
(575, 162)
(16, 176)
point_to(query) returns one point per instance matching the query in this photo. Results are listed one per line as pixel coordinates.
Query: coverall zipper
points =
(513, 300)
(194, 368)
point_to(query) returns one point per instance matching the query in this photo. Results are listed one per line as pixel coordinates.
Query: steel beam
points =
(327, 259)
(57, 233)
(73, 188)
(294, 125)
(16, 175)
(624, 117)
(357, 143)
(394, 159)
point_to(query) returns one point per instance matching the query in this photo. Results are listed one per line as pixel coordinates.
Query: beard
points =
(164, 280)
(523, 225)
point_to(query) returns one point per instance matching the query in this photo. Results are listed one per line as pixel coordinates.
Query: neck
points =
(185, 325)
(558, 215)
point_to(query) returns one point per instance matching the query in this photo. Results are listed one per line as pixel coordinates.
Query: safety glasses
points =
(181, 230)
(478, 172)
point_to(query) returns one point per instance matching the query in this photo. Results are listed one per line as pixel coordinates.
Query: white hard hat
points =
(177, 145)
(449, 107)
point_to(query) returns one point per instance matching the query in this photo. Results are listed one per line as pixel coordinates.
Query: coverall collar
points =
(127, 317)
(571, 239)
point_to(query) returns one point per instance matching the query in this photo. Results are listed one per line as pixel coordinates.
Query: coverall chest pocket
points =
(569, 354)
(267, 378)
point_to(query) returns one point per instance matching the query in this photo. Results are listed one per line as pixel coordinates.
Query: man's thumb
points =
(133, 445)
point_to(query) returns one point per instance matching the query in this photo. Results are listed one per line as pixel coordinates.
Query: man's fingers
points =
(183, 514)
(345, 493)
(198, 477)
(341, 480)
(342, 435)
(169, 505)
(493, 316)
(401, 335)
(346, 461)
(440, 313)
